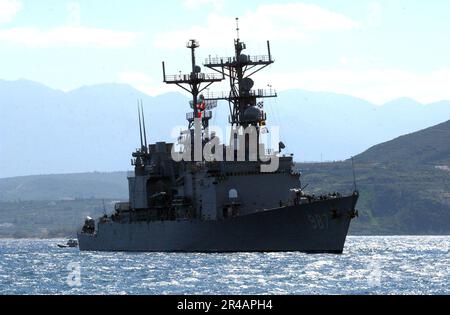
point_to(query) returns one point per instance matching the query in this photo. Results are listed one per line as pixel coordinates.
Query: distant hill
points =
(94, 128)
(65, 187)
(49, 219)
(427, 147)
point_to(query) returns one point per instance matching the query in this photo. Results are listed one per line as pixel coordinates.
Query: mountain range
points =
(95, 128)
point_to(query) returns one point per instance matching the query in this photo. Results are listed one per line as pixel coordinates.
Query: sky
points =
(375, 50)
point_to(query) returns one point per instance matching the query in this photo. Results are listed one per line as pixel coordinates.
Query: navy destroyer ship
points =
(197, 195)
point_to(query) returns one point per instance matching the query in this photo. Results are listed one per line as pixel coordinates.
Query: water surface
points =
(369, 265)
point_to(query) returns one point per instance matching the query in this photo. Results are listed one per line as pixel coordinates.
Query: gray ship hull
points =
(318, 227)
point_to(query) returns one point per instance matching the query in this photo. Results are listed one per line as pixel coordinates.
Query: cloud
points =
(67, 35)
(9, 9)
(376, 85)
(292, 21)
(72, 34)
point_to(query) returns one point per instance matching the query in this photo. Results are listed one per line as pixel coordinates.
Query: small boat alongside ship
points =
(70, 244)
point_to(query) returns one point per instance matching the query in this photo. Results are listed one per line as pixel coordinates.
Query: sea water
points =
(369, 265)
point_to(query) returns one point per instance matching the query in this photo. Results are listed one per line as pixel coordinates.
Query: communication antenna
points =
(355, 189)
(237, 27)
(143, 124)
(140, 126)
(195, 83)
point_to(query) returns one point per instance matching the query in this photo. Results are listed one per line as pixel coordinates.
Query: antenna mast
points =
(192, 83)
(143, 124)
(243, 100)
(140, 126)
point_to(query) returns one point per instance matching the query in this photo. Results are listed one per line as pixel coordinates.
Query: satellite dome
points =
(247, 84)
(252, 114)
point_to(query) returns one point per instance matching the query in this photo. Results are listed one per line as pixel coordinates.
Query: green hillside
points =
(48, 219)
(394, 200)
(429, 147)
(65, 187)
(404, 183)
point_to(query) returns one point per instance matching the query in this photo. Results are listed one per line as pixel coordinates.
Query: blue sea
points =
(369, 265)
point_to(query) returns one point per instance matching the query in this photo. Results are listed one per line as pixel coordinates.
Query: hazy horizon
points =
(181, 92)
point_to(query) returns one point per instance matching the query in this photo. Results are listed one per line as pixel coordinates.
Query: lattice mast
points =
(192, 83)
(243, 100)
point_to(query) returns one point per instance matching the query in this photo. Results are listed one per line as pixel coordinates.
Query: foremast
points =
(194, 83)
